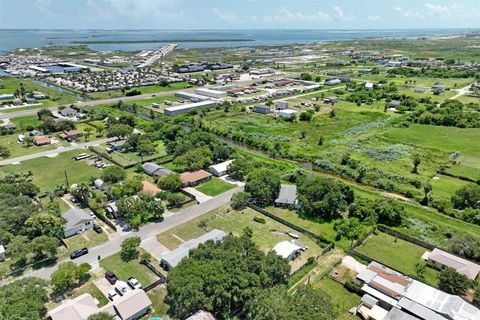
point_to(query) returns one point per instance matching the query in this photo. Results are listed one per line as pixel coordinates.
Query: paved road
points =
(151, 230)
(53, 152)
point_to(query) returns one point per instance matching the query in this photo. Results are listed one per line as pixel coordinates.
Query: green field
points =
(397, 254)
(23, 123)
(50, 172)
(215, 187)
(342, 299)
(125, 270)
(17, 149)
(144, 90)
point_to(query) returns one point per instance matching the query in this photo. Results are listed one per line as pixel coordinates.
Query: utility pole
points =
(66, 179)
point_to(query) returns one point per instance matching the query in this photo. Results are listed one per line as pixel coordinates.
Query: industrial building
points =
(263, 109)
(190, 96)
(171, 259)
(173, 111)
(211, 93)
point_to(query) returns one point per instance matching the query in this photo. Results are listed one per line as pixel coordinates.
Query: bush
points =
(260, 220)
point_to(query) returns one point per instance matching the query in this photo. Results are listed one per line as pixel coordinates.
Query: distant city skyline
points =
(246, 14)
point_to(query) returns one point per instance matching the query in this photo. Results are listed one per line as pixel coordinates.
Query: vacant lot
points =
(215, 186)
(50, 172)
(143, 90)
(398, 254)
(88, 239)
(18, 149)
(342, 299)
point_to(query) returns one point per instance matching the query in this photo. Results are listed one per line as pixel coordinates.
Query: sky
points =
(239, 14)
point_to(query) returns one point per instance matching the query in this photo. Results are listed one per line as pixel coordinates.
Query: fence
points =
(161, 277)
(288, 224)
(405, 237)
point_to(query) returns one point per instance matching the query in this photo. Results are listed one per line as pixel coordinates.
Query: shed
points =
(153, 169)
(3, 256)
(288, 113)
(261, 108)
(282, 105)
(99, 183)
(287, 250)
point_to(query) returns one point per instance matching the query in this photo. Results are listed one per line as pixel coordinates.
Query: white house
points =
(287, 250)
(220, 169)
(77, 220)
(369, 85)
(289, 113)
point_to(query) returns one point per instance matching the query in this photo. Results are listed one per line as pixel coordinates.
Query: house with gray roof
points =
(153, 169)
(77, 220)
(440, 259)
(171, 259)
(287, 196)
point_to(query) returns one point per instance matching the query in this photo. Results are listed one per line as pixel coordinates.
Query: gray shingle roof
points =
(75, 216)
(288, 194)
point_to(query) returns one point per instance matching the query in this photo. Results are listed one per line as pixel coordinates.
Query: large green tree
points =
(263, 186)
(68, 276)
(129, 249)
(23, 299)
(467, 197)
(222, 277)
(453, 282)
(113, 174)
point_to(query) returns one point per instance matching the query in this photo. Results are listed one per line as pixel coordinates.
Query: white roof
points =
(221, 167)
(191, 105)
(2, 248)
(285, 249)
(288, 111)
(379, 295)
(378, 313)
(79, 308)
(462, 266)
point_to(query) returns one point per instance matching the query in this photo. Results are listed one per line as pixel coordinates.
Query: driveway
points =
(201, 197)
(155, 248)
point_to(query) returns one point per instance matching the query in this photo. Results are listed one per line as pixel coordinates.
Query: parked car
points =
(111, 277)
(122, 288)
(97, 228)
(127, 228)
(132, 282)
(113, 295)
(78, 253)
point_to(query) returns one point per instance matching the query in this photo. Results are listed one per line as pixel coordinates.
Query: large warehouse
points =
(173, 111)
(211, 93)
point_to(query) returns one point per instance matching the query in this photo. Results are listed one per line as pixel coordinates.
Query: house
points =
(438, 88)
(440, 259)
(171, 259)
(194, 178)
(287, 196)
(201, 315)
(153, 169)
(282, 105)
(287, 114)
(393, 104)
(41, 140)
(150, 188)
(77, 220)
(332, 100)
(115, 145)
(99, 183)
(131, 306)
(69, 112)
(369, 85)
(333, 82)
(287, 250)
(70, 135)
(3, 256)
(220, 169)
(261, 108)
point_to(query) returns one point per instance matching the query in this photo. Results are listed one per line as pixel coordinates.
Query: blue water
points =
(13, 39)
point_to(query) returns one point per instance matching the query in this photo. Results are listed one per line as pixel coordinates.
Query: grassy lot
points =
(444, 187)
(125, 270)
(127, 158)
(143, 90)
(94, 292)
(49, 172)
(464, 171)
(89, 239)
(28, 121)
(342, 299)
(159, 307)
(398, 254)
(266, 236)
(17, 149)
(215, 186)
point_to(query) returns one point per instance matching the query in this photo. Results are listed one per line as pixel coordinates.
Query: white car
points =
(113, 295)
(132, 282)
(122, 288)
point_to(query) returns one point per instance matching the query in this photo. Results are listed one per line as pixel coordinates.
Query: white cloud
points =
(409, 13)
(229, 17)
(45, 8)
(340, 15)
(373, 17)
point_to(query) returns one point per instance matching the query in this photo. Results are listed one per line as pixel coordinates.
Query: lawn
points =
(397, 254)
(125, 270)
(266, 235)
(18, 149)
(50, 172)
(215, 187)
(91, 288)
(88, 239)
(23, 123)
(144, 90)
(159, 307)
(342, 299)
(444, 187)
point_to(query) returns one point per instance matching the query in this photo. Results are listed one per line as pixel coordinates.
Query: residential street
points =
(53, 152)
(151, 230)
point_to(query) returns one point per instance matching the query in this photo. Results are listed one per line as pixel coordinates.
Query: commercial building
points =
(190, 96)
(211, 93)
(171, 259)
(173, 111)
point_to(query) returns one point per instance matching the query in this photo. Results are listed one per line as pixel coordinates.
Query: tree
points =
(28, 141)
(195, 159)
(416, 163)
(389, 212)
(476, 297)
(170, 182)
(128, 188)
(453, 282)
(333, 113)
(113, 174)
(426, 190)
(119, 131)
(467, 197)
(263, 186)
(23, 299)
(87, 133)
(305, 116)
(68, 276)
(239, 200)
(349, 229)
(240, 168)
(146, 148)
(321, 141)
(43, 225)
(306, 303)
(18, 249)
(4, 152)
(137, 210)
(44, 246)
(101, 316)
(324, 197)
(222, 277)
(129, 249)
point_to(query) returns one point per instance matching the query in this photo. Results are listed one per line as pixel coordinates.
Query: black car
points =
(111, 277)
(97, 228)
(78, 253)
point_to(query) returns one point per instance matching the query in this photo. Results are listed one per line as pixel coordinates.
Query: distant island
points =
(158, 41)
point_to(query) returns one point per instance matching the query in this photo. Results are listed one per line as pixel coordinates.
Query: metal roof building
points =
(171, 259)
(173, 111)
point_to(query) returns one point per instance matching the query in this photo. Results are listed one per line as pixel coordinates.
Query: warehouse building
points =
(211, 93)
(173, 111)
